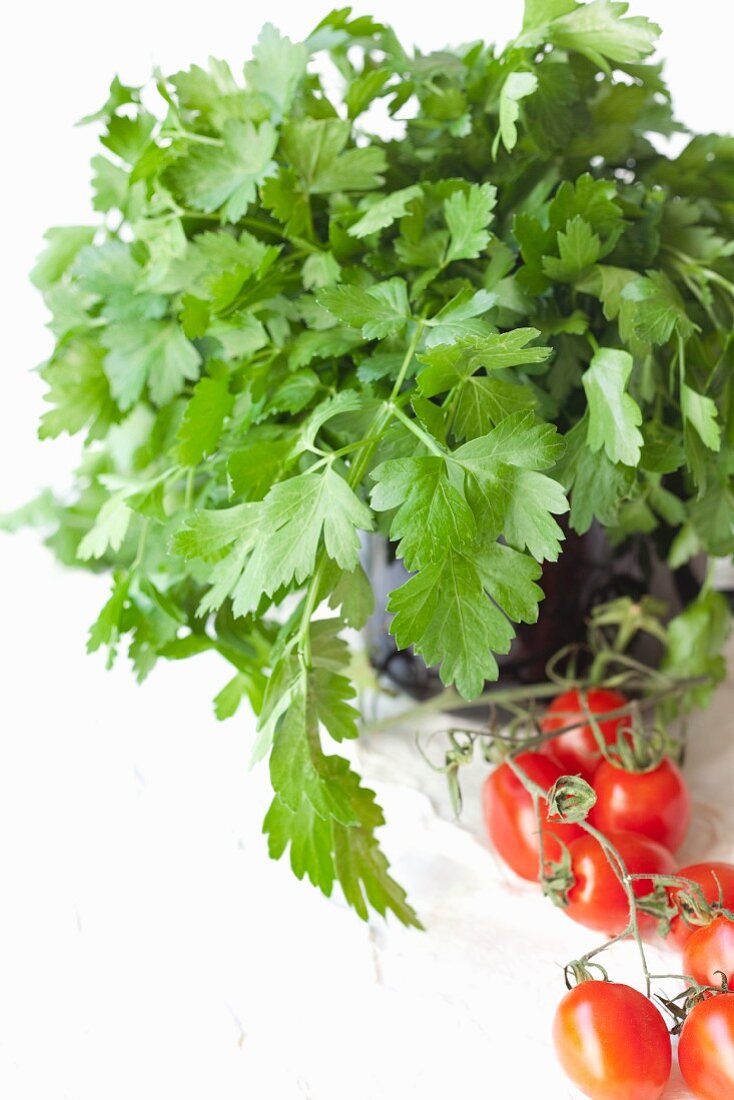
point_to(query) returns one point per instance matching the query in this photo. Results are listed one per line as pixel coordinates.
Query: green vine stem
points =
(450, 700)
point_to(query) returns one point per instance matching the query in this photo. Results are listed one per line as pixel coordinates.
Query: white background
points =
(147, 947)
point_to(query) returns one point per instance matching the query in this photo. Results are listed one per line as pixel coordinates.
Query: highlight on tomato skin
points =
(612, 1042)
(709, 953)
(510, 817)
(706, 1048)
(597, 898)
(716, 879)
(654, 803)
(576, 751)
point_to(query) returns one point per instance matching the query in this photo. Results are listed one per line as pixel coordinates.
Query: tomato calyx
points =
(693, 908)
(558, 878)
(637, 750)
(580, 970)
(680, 1007)
(657, 904)
(569, 800)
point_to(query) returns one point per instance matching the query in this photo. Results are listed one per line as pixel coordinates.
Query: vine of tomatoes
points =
(593, 808)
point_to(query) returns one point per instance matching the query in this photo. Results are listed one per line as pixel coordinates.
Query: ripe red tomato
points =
(576, 751)
(654, 803)
(709, 876)
(510, 817)
(597, 898)
(709, 949)
(612, 1042)
(706, 1048)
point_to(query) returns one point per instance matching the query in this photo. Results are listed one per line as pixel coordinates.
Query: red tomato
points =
(576, 751)
(706, 1048)
(612, 1042)
(709, 949)
(597, 898)
(510, 817)
(709, 876)
(654, 803)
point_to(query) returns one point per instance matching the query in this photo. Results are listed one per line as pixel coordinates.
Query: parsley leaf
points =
(225, 177)
(614, 416)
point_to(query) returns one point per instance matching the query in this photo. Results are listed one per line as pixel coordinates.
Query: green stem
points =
(189, 496)
(620, 869)
(416, 429)
(142, 538)
(379, 422)
(450, 700)
(201, 139)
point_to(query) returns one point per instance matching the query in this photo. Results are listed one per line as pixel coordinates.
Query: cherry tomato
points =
(709, 949)
(597, 899)
(706, 1048)
(612, 1042)
(655, 803)
(576, 751)
(709, 876)
(510, 816)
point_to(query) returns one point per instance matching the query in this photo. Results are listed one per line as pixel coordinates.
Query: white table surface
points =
(151, 948)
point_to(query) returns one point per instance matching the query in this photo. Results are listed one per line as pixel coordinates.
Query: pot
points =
(589, 572)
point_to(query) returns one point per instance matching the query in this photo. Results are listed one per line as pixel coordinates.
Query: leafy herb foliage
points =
(284, 331)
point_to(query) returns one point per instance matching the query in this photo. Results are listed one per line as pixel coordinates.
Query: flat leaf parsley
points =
(282, 332)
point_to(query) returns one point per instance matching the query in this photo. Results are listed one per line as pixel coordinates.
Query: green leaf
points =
(64, 244)
(448, 366)
(354, 596)
(509, 578)
(517, 441)
(599, 30)
(458, 317)
(482, 403)
(277, 68)
(108, 531)
(702, 413)
(211, 178)
(695, 640)
(119, 96)
(579, 248)
(128, 137)
(320, 269)
(598, 486)
(614, 416)
(79, 392)
(431, 513)
(505, 490)
(364, 89)
(107, 628)
(443, 613)
(468, 213)
(315, 148)
(210, 404)
(538, 13)
(658, 310)
(152, 353)
(294, 516)
(207, 533)
(380, 311)
(384, 212)
(517, 86)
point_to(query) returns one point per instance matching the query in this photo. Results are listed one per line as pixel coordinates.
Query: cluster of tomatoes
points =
(611, 1040)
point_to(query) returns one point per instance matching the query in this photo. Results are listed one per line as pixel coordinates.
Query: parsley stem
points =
(142, 538)
(416, 429)
(377, 426)
(202, 139)
(189, 497)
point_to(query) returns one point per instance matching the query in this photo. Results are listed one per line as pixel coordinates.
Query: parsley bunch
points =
(284, 330)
